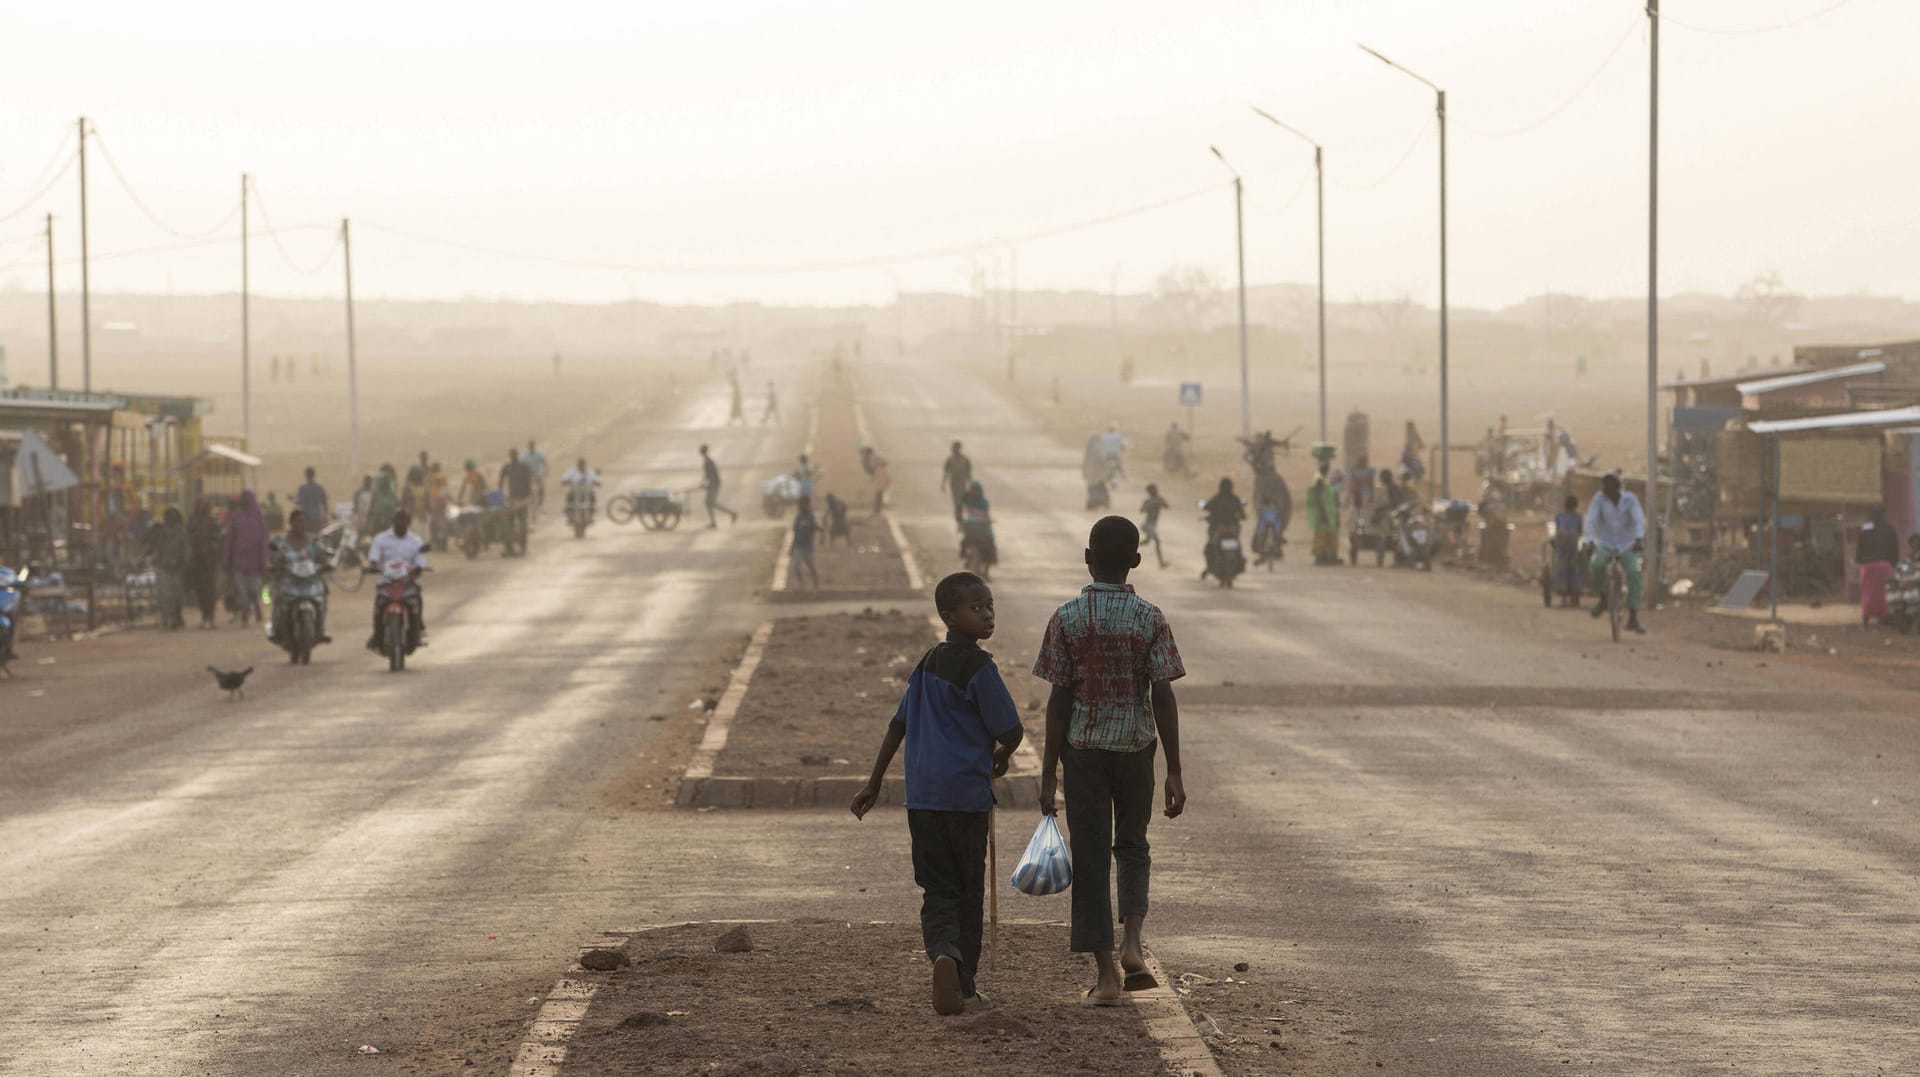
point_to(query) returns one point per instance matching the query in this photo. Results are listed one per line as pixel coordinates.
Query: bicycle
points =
(1616, 593)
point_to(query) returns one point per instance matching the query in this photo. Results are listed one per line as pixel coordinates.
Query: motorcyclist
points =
(1225, 512)
(398, 543)
(296, 544)
(976, 528)
(582, 478)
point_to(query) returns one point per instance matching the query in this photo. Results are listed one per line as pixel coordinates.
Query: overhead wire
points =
(835, 265)
(34, 198)
(1554, 113)
(121, 177)
(1405, 156)
(1738, 31)
(326, 258)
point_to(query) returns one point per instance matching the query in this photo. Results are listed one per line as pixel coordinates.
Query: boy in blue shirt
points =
(960, 726)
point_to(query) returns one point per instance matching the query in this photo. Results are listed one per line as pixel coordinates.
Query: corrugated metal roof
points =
(1852, 419)
(1811, 377)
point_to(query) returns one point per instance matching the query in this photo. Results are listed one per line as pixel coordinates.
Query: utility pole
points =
(86, 292)
(1440, 106)
(246, 329)
(1320, 231)
(1013, 306)
(53, 325)
(1240, 250)
(353, 377)
(1653, 289)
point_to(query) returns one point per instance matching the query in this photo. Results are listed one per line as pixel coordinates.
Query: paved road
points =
(351, 857)
(1498, 841)
(1486, 840)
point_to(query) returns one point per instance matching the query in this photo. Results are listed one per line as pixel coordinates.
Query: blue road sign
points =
(1189, 394)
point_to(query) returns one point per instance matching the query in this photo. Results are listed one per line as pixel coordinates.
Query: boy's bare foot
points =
(1108, 989)
(946, 987)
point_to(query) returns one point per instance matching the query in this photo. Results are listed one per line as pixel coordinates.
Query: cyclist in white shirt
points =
(398, 543)
(1618, 528)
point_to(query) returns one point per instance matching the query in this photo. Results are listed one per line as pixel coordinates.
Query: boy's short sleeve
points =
(900, 712)
(994, 702)
(1055, 663)
(1163, 656)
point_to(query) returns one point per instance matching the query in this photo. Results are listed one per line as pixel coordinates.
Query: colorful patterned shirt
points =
(1110, 646)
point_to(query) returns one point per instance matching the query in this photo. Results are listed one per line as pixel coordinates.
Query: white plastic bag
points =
(1045, 868)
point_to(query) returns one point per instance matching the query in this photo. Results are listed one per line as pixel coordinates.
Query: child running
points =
(960, 726)
(806, 526)
(1110, 657)
(1150, 510)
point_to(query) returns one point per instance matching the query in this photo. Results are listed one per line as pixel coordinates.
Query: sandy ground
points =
(849, 1000)
(1466, 834)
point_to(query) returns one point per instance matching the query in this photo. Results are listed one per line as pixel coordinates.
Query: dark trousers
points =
(1109, 800)
(950, 867)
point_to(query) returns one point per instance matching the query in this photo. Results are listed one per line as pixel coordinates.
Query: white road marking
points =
(714, 740)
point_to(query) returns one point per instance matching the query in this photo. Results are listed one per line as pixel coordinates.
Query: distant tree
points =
(1186, 295)
(1768, 299)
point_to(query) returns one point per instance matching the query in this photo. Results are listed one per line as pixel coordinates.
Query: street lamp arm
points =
(1223, 161)
(1278, 122)
(1404, 71)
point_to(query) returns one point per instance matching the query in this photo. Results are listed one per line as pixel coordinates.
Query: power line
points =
(54, 158)
(1552, 114)
(867, 262)
(34, 198)
(184, 245)
(286, 256)
(1767, 29)
(1292, 197)
(121, 177)
(1407, 155)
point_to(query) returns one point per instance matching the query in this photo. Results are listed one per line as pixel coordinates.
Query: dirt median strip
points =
(1533, 697)
(806, 709)
(843, 997)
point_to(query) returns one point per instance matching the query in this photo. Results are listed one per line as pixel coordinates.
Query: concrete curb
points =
(720, 723)
(544, 1050)
(1181, 1046)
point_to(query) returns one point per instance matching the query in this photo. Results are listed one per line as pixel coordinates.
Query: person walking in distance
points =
(1111, 659)
(737, 408)
(243, 554)
(772, 412)
(806, 527)
(311, 499)
(875, 466)
(710, 482)
(956, 475)
(203, 560)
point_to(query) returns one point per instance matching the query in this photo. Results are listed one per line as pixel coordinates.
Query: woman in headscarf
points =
(172, 553)
(244, 555)
(203, 560)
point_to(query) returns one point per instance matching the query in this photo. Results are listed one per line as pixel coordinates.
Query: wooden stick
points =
(993, 894)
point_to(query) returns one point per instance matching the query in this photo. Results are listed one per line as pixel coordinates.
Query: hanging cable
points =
(1286, 204)
(186, 245)
(286, 256)
(1407, 155)
(1767, 29)
(34, 199)
(869, 262)
(1554, 113)
(121, 177)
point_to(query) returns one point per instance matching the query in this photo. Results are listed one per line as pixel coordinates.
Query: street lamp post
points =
(1320, 229)
(1440, 96)
(1240, 247)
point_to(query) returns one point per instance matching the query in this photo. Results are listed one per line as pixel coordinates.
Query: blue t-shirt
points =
(955, 708)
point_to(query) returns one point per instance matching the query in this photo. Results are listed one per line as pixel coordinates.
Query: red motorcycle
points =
(399, 634)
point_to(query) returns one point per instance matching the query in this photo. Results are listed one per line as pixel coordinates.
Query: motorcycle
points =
(1903, 595)
(399, 634)
(302, 591)
(1412, 538)
(1224, 558)
(13, 588)
(580, 508)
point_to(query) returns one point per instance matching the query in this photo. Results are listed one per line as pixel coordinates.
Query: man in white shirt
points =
(1618, 527)
(397, 543)
(580, 481)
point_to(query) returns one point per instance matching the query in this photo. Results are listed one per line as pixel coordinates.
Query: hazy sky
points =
(723, 135)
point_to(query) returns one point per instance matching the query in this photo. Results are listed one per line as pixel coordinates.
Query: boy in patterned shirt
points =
(1111, 659)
